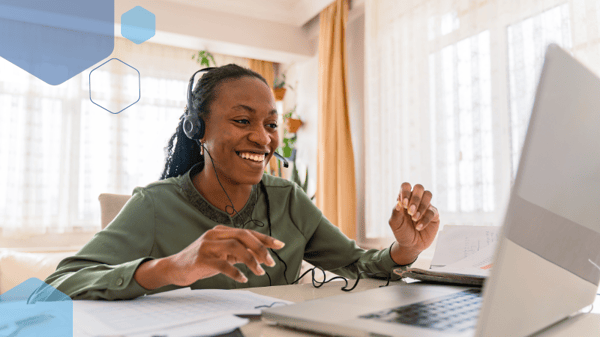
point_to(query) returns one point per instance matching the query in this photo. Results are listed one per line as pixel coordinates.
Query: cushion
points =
(16, 267)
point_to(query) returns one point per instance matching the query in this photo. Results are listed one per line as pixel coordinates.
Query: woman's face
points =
(241, 130)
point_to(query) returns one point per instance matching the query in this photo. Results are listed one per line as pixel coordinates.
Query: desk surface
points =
(583, 326)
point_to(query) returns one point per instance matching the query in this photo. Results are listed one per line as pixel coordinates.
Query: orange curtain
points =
(265, 69)
(336, 186)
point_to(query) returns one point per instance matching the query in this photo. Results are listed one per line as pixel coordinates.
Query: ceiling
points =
(290, 12)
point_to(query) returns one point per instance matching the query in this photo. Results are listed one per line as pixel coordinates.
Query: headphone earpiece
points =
(193, 125)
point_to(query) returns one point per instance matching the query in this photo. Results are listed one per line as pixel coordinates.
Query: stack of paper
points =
(463, 255)
(182, 312)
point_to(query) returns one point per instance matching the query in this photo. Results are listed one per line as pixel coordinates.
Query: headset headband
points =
(191, 87)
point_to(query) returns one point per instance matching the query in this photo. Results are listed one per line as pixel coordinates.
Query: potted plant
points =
(289, 133)
(291, 122)
(204, 58)
(279, 87)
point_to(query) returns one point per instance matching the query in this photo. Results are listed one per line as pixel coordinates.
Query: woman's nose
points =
(260, 136)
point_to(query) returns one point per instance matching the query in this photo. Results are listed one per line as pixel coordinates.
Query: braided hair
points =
(181, 152)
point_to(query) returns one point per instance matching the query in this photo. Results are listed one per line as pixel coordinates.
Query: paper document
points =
(479, 263)
(169, 309)
(455, 243)
(472, 270)
(212, 327)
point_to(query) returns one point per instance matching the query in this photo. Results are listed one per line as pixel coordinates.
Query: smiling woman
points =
(215, 220)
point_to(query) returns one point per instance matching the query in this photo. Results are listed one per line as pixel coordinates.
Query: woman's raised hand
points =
(414, 220)
(215, 252)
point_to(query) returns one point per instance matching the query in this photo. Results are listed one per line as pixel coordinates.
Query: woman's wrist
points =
(153, 274)
(403, 256)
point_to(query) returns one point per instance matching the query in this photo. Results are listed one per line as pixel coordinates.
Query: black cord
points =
(264, 190)
(319, 284)
(269, 306)
(223, 188)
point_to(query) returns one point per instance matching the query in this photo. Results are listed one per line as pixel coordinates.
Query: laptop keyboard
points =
(453, 313)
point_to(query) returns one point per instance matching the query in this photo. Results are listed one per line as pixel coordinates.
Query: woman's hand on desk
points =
(414, 222)
(215, 252)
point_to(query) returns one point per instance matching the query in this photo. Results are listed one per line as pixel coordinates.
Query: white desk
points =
(582, 326)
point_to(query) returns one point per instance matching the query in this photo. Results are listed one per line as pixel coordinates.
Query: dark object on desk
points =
(441, 277)
(234, 333)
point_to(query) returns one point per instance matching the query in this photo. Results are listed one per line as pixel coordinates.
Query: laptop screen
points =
(558, 184)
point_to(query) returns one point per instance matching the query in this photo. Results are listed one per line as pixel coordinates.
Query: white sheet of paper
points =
(455, 243)
(479, 263)
(211, 327)
(161, 311)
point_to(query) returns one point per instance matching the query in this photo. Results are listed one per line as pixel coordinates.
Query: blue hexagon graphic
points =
(138, 25)
(34, 308)
(56, 40)
(133, 101)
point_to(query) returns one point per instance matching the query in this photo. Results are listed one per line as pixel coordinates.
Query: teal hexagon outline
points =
(139, 86)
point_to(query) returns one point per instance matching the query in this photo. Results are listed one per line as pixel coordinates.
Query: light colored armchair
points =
(110, 206)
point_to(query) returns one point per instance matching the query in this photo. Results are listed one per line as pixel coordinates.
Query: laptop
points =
(546, 261)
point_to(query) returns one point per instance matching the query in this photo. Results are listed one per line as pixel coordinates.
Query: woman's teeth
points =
(252, 156)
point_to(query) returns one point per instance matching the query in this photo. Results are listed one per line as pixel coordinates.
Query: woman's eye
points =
(273, 126)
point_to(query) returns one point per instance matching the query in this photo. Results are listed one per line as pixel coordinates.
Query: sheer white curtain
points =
(59, 151)
(450, 86)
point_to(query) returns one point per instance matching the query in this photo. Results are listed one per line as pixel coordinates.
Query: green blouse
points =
(164, 217)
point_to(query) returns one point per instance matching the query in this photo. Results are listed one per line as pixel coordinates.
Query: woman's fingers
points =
(219, 249)
(255, 246)
(405, 194)
(430, 215)
(241, 254)
(268, 241)
(415, 200)
(254, 241)
(422, 208)
(229, 270)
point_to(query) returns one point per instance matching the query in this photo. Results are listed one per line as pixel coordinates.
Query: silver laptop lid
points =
(546, 263)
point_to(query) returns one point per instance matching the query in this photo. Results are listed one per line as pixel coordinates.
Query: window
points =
(449, 92)
(461, 123)
(58, 151)
(526, 47)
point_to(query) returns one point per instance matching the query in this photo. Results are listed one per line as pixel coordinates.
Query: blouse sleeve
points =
(327, 247)
(104, 267)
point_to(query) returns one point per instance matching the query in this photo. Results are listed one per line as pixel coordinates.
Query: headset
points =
(194, 126)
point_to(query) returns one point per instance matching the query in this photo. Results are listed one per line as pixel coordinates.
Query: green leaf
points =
(287, 150)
